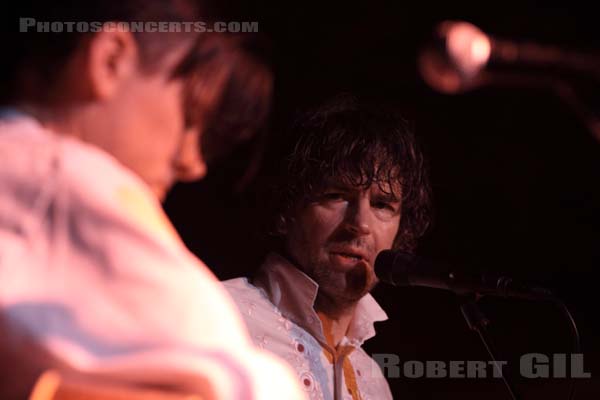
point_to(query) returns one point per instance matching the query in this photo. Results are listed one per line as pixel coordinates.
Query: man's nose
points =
(358, 216)
(189, 163)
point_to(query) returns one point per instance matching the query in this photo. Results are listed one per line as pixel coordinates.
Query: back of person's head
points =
(244, 103)
(356, 144)
(43, 35)
(226, 88)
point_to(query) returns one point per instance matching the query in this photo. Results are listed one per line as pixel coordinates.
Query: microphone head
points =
(394, 267)
(452, 63)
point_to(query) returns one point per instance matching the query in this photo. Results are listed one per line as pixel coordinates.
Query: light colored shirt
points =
(278, 307)
(94, 278)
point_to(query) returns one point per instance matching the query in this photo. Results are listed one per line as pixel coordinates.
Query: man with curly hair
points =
(353, 184)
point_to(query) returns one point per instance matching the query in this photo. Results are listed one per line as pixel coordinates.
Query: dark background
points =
(515, 178)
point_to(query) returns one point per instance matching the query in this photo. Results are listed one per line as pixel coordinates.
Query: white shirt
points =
(279, 312)
(93, 277)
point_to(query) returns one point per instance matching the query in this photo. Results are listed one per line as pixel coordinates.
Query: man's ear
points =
(112, 56)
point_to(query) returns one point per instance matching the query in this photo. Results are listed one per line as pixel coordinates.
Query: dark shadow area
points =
(516, 181)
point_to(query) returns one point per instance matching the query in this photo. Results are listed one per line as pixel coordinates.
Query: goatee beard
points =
(339, 292)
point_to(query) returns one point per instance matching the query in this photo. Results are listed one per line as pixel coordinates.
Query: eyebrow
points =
(387, 197)
(340, 186)
(344, 187)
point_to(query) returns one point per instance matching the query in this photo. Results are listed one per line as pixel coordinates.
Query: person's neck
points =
(51, 119)
(335, 319)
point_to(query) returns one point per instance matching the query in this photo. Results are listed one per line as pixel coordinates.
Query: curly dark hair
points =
(357, 144)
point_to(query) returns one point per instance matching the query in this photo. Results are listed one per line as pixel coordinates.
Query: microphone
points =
(461, 52)
(403, 269)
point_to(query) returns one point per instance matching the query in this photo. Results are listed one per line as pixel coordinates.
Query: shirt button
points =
(307, 381)
(358, 372)
(300, 347)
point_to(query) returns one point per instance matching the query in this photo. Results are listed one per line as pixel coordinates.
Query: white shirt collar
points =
(294, 293)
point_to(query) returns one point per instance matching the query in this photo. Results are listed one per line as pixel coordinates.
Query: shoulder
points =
(57, 188)
(26, 155)
(30, 151)
(244, 293)
(38, 162)
(253, 303)
(239, 284)
(267, 327)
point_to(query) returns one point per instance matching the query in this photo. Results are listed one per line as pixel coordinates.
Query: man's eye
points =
(384, 206)
(332, 196)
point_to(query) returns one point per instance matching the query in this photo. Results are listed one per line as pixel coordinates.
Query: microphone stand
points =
(477, 322)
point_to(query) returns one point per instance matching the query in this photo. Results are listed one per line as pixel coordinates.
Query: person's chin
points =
(160, 190)
(359, 280)
(160, 193)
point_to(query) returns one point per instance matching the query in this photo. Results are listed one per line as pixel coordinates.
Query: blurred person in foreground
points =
(95, 128)
(352, 184)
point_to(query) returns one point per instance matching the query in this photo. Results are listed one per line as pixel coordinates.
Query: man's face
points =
(336, 236)
(143, 127)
